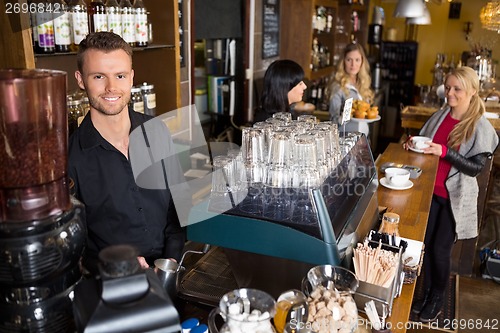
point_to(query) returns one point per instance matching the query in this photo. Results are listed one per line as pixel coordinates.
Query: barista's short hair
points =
(104, 41)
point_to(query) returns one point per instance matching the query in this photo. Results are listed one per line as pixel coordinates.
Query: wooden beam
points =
(15, 42)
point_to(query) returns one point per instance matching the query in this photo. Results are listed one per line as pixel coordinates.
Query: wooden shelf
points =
(158, 64)
(296, 40)
(322, 72)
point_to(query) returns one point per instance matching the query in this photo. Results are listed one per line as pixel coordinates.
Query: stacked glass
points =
(277, 153)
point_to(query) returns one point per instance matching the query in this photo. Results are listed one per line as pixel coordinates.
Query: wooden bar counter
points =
(413, 207)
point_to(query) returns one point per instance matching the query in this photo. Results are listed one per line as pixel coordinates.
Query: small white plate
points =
(365, 120)
(416, 150)
(419, 139)
(386, 183)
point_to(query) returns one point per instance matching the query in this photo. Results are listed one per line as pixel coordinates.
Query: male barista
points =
(117, 210)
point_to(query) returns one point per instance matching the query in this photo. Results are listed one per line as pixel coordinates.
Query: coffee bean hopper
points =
(42, 231)
(272, 246)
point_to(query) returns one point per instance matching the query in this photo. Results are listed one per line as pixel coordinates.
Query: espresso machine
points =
(42, 232)
(272, 237)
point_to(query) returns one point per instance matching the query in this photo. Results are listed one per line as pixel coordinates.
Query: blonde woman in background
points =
(352, 79)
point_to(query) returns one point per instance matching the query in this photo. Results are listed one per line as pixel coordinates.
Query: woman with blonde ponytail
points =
(463, 139)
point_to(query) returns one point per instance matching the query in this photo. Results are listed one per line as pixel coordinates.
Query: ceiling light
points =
(490, 16)
(409, 8)
(422, 20)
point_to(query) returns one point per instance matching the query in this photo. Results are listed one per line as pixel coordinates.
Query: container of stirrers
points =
(380, 284)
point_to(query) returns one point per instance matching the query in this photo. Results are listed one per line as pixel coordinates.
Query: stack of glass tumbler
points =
(281, 153)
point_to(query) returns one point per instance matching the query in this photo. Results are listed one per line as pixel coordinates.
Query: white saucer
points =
(385, 183)
(416, 150)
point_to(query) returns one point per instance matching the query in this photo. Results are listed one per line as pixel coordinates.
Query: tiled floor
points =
(479, 305)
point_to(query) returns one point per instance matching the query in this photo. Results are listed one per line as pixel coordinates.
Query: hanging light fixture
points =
(422, 20)
(409, 8)
(490, 16)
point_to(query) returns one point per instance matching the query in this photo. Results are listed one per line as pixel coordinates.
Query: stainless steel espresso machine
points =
(270, 239)
(42, 231)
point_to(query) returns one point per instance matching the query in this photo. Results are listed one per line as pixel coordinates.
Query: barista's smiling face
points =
(107, 77)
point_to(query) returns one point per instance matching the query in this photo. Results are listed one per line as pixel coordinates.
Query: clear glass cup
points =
(322, 152)
(308, 118)
(221, 196)
(279, 160)
(280, 149)
(278, 203)
(304, 211)
(238, 168)
(333, 151)
(252, 145)
(305, 172)
(253, 203)
(284, 116)
(267, 128)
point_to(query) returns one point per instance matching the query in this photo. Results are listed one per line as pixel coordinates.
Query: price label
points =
(346, 113)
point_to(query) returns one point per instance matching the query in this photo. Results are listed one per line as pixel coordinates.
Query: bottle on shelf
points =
(45, 31)
(128, 22)
(34, 31)
(141, 24)
(320, 19)
(150, 31)
(315, 54)
(355, 21)
(149, 98)
(452, 65)
(314, 93)
(97, 16)
(136, 100)
(114, 16)
(75, 112)
(79, 22)
(62, 27)
(319, 99)
(329, 20)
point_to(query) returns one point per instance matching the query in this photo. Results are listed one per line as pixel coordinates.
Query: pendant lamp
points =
(409, 8)
(422, 20)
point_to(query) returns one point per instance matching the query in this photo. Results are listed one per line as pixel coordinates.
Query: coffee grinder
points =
(42, 232)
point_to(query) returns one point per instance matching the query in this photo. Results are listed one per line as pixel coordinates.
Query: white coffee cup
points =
(420, 142)
(397, 176)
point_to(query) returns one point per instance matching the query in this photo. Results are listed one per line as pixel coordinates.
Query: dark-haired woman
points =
(283, 86)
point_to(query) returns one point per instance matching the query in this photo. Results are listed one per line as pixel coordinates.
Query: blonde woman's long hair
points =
(465, 128)
(363, 79)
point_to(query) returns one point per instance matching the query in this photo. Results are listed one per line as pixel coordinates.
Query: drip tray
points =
(209, 279)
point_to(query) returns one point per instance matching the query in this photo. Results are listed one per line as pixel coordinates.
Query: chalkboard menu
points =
(270, 28)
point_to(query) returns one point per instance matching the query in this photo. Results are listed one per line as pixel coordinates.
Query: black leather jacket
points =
(471, 166)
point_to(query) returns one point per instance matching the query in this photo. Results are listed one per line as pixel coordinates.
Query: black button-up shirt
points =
(117, 210)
